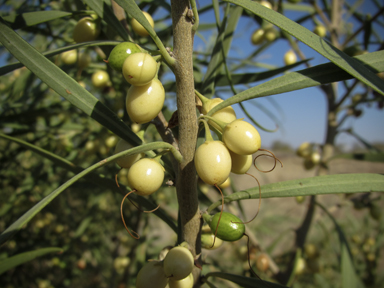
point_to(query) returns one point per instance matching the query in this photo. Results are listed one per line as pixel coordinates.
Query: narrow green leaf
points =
(17, 21)
(21, 258)
(370, 157)
(19, 223)
(327, 184)
(314, 76)
(82, 227)
(246, 78)
(348, 64)
(243, 281)
(64, 85)
(104, 10)
(10, 67)
(134, 11)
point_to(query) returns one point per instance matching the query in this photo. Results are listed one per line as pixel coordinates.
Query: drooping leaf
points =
(64, 85)
(243, 281)
(10, 67)
(17, 21)
(349, 64)
(314, 76)
(318, 185)
(11, 262)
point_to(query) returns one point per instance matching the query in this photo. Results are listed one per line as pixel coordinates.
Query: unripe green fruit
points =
(100, 79)
(257, 36)
(311, 251)
(86, 30)
(178, 263)
(300, 266)
(241, 137)
(226, 114)
(144, 103)
(139, 69)
(138, 28)
(207, 241)
(290, 58)
(240, 163)
(320, 30)
(151, 275)
(126, 161)
(213, 162)
(120, 53)
(300, 199)
(69, 57)
(187, 282)
(227, 230)
(146, 176)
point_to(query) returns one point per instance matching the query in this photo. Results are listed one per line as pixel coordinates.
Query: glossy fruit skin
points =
(69, 57)
(225, 184)
(121, 52)
(227, 230)
(226, 114)
(145, 176)
(144, 103)
(262, 262)
(213, 162)
(207, 241)
(266, 4)
(138, 28)
(178, 263)
(240, 163)
(257, 36)
(86, 30)
(151, 275)
(139, 69)
(127, 161)
(270, 34)
(305, 149)
(186, 282)
(290, 58)
(241, 137)
(100, 79)
(320, 30)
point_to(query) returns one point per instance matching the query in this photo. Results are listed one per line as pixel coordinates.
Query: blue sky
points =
(304, 111)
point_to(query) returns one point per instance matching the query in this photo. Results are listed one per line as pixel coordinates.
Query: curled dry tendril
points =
(135, 236)
(272, 155)
(221, 213)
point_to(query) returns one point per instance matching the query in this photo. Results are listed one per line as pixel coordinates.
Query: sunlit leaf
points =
(17, 21)
(318, 185)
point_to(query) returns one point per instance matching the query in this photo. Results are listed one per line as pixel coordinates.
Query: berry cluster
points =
(310, 153)
(174, 270)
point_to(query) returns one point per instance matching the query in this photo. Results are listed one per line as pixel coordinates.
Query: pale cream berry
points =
(144, 103)
(241, 137)
(145, 176)
(290, 58)
(227, 114)
(186, 282)
(240, 163)
(138, 28)
(178, 263)
(100, 79)
(213, 162)
(85, 30)
(126, 161)
(151, 275)
(139, 69)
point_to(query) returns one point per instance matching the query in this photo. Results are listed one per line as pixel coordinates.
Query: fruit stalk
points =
(186, 176)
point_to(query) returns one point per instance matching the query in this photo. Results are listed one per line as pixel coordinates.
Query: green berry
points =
(120, 53)
(228, 230)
